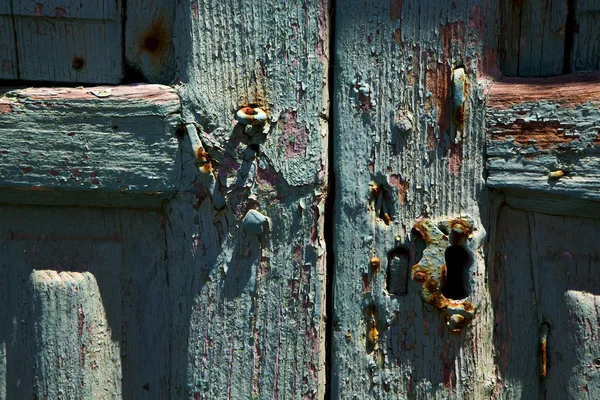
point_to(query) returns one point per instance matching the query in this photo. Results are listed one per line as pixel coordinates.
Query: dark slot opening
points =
(398, 271)
(458, 262)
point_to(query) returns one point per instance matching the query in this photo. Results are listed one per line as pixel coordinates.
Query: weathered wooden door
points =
(406, 224)
(466, 230)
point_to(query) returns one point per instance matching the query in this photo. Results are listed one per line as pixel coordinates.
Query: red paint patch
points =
(437, 81)
(5, 107)
(402, 186)
(295, 137)
(26, 170)
(455, 159)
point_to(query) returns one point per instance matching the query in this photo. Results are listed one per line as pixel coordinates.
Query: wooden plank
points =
(8, 49)
(149, 49)
(248, 308)
(544, 271)
(409, 122)
(89, 289)
(513, 294)
(586, 40)
(533, 39)
(543, 136)
(68, 41)
(99, 145)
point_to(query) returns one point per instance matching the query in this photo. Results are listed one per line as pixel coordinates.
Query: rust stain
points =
(375, 263)
(419, 276)
(544, 358)
(155, 41)
(421, 229)
(431, 285)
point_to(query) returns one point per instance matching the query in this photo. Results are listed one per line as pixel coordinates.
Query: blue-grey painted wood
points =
(8, 53)
(148, 41)
(100, 145)
(544, 269)
(69, 40)
(250, 308)
(543, 137)
(533, 37)
(586, 40)
(405, 126)
(86, 311)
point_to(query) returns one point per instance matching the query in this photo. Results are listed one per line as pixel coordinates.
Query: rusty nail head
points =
(251, 116)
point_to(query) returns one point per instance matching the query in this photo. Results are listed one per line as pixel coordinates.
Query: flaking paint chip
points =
(256, 223)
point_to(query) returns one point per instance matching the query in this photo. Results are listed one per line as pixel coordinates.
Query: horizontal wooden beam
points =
(113, 146)
(543, 136)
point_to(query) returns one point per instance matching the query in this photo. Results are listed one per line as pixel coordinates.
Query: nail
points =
(556, 174)
(251, 116)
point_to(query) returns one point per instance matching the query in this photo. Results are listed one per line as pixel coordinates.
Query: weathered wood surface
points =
(68, 40)
(8, 50)
(85, 304)
(149, 49)
(101, 145)
(586, 40)
(544, 269)
(249, 309)
(543, 136)
(409, 117)
(532, 42)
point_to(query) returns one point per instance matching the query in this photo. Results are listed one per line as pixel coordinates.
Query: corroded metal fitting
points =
(251, 116)
(431, 273)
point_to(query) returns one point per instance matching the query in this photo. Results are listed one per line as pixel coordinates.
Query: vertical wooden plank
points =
(565, 260)
(146, 309)
(8, 54)
(66, 41)
(249, 308)
(514, 298)
(87, 312)
(65, 319)
(533, 37)
(543, 273)
(409, 122)
(149, 50)
(586, 41)
(75, 353)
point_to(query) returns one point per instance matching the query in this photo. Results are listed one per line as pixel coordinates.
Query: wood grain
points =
(69, 41)
(544, 270)
(537, 126)
(398, 125)
(532, 42)
(250, 308)
(86, 311)
(88, 142)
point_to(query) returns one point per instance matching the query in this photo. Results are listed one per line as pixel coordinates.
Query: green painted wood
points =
(69, 41)
(543, 136)
(533, 37)
(250, 308)
(544, 270)
(99, 146)
(149, 49)
(586, 39)
(86, 310)
(409, 118)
